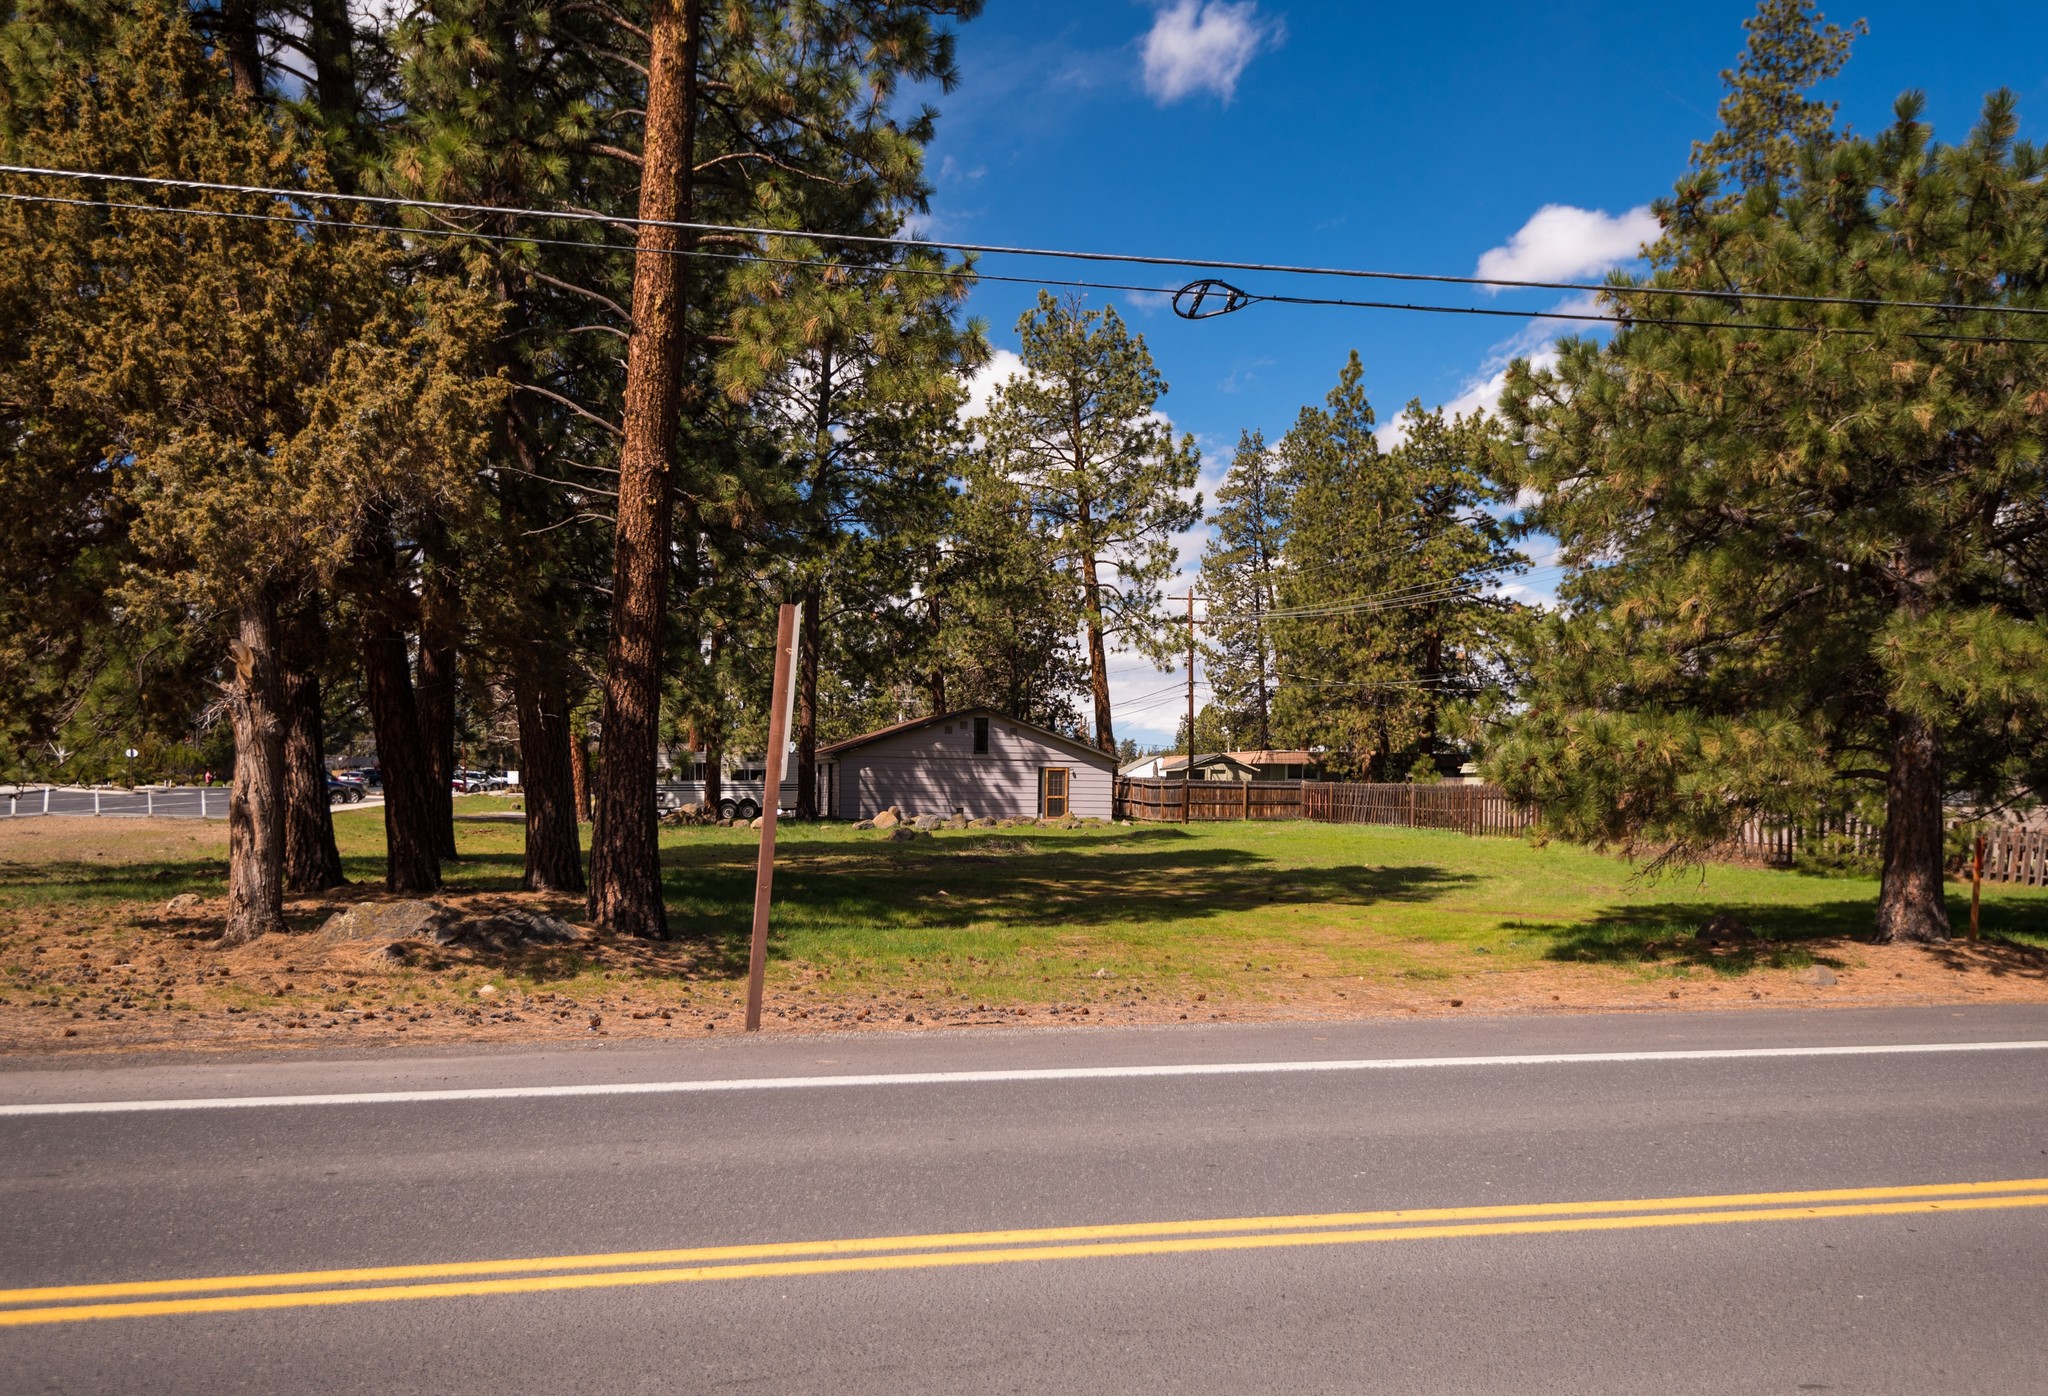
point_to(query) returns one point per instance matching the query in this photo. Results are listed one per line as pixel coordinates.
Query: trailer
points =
(742, 794)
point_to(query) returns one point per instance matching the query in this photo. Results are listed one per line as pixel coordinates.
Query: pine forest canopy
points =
(432, 478)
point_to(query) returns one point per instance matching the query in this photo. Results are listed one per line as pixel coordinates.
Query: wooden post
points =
(1976, 883)
(1247, 802)
(771, 796)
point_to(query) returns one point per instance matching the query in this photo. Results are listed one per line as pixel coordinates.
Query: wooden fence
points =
(1186, 801)
(2013, 853)
(1469, 809)
(1776, 844)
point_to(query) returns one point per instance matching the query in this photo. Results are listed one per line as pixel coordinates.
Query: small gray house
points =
(974, 762)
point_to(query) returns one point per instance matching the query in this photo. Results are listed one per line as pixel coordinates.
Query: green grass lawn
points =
(1023, 915)
(1210, 903)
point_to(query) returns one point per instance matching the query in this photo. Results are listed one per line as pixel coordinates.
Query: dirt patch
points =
(83, 982)
(108, 943)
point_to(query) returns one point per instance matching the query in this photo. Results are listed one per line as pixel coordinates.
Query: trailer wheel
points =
(728, 809)
(747, 810)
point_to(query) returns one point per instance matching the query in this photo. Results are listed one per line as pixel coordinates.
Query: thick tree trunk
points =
(579, 768)
(330, 37)
(241, 47)
(409, 813)
(714, 772)
(256, 798)
(1910, 904)
(625, 854)
(435, 693)
(807, 707)
(312, 863)
(554, 847)
(1098, 658)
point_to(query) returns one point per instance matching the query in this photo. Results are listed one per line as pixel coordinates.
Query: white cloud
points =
(1203, 46)
(1562, 243)
(1480, 393)
(1002, 366)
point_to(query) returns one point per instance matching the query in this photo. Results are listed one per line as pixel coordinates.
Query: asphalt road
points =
(1796, 1220)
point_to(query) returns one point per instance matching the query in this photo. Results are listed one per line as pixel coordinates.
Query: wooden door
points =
(1052, 792)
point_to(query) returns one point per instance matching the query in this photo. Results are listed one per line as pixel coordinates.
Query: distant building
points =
(1228, 765)
(974, 762)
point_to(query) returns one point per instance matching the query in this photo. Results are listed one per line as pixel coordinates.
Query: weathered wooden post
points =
(771, 797)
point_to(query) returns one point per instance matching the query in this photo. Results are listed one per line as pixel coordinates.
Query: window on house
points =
(981, 736)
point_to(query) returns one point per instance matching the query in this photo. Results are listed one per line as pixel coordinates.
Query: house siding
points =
(933, 771)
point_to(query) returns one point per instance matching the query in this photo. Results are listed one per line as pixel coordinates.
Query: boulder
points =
(1724, 928)
(958, 821)
(982, 823)
(865, 824)
(925, 823)
(421, 920)
(887, 819)
(506, 930)
(406, 920)
(1820, 976)
(185, 904)
(899, 834)
(757, 821)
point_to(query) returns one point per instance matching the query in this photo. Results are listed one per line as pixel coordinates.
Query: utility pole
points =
(1190, 771)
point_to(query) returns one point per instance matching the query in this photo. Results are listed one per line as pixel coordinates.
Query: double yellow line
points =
(619, 1269)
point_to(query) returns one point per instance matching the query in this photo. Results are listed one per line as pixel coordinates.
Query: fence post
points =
(1247, 802)
(1411, 804)
(1976, 882)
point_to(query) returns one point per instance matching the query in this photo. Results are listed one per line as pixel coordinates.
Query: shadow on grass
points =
(1663, 933)
(1017, 882)
(80, 881)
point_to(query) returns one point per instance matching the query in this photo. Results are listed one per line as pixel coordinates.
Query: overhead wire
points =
(997, 249)
(1623, 319)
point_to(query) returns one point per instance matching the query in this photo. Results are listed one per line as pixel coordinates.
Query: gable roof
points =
(1275, 758)
(1179, 762)
(1045, 734)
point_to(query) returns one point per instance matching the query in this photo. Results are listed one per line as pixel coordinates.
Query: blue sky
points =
(1404, 137)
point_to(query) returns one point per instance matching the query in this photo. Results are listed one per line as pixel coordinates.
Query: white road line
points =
(967, 1078)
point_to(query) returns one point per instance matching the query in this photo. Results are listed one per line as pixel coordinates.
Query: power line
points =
(1001, 250)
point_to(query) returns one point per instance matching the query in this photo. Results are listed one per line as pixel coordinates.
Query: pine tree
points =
(1383, 599)
(1004, 621)
(1240, 566)
(1768, 113)
(1807, 547)
(263, 384)
(855, 372)
(1078, 431)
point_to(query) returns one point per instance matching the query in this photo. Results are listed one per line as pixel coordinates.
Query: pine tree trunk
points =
(579, 768)
(807, 708)
(435, 693)
(554, 847)
(256, 804)
(714, 772)
(241, 46)
(625, 855)
(410, 864)
(1910, 903)
(1098, 657)
(312, 863)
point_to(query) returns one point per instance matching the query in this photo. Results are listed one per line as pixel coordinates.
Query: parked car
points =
(342, 792)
